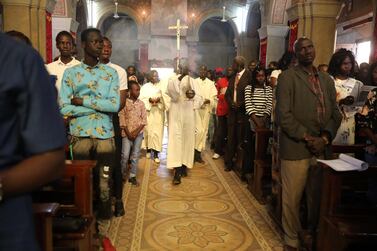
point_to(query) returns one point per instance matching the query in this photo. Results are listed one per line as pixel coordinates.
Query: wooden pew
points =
(262, 165)
(74, 193)
(345, 227)
(275, 201)
(43, 216)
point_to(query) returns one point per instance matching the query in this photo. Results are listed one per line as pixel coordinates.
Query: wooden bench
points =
(275, 201)
(74, 193)
(261, 177)
(43, 216)
(346, 226)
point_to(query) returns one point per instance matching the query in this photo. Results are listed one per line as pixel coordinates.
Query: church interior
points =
(215, 207)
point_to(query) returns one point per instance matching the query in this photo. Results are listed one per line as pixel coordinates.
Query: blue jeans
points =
(133, 147)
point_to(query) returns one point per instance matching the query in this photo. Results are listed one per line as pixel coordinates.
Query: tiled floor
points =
(209, 210)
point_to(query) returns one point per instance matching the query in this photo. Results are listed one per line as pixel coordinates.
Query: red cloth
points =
(222, 105)
(107, 246)
(263, 51)
(48, 37)
(293, 33)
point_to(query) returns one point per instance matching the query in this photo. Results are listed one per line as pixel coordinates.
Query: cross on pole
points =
(178, 27)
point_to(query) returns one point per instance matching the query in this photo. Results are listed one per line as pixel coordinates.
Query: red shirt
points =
(222, 105)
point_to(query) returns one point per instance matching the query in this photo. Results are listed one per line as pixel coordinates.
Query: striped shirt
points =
(259, 102)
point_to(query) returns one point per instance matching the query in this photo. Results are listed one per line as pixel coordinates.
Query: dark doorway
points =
(216, 43)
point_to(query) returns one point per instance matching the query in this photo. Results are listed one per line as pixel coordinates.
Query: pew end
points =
(260, 181)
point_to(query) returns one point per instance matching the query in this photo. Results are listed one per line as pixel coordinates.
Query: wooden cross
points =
(178, 27)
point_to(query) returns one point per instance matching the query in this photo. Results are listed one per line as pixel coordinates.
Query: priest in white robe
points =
(151, 95)
(208, 91)
(184, 96)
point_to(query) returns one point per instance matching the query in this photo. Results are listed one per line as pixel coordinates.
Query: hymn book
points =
(346, 163)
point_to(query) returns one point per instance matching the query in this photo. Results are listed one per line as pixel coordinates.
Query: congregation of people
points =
(112, 113)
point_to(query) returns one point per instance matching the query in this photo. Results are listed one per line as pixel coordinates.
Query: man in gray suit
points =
(309, 118)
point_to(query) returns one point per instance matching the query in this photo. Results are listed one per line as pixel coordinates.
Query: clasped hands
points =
(154, 101)
(206, 102)
(77, 101)
(131, 135)
(260, 122)
(190, 94)
(316, 145)
(349, 100)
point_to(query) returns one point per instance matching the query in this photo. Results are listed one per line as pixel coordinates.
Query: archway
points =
(123, 33)
(216, 46)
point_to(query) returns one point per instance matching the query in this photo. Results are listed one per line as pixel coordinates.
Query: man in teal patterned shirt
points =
(88, 95)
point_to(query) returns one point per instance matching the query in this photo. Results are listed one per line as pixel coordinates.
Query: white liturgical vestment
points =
(181, 141)
(153, 133)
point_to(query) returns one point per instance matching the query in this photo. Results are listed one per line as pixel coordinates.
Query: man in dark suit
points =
(237, 118)
(309, 118)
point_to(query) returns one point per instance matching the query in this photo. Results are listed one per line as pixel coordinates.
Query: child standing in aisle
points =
(132, 120)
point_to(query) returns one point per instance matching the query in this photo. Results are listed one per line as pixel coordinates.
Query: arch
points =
(216, 45)
(121, 32)
(108, 10)
(214, 13)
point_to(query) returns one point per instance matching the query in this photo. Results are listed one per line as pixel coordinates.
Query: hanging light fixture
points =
(116, 15)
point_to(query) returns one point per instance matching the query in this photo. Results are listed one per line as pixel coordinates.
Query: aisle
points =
(209, 210)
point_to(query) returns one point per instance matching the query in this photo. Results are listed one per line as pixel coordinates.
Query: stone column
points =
(16, 15)
(28, 17)
(317, 21)
(34, 23)
(275, 37)
(248, 47)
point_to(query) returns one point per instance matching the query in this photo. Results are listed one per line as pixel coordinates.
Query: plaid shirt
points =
(316, 88)
(132, 116)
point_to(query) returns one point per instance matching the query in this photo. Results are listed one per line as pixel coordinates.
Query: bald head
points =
(304, 51)
(239, 63)
(203, 72)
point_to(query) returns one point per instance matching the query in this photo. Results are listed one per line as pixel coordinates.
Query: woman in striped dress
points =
(258, 100)
(258, 103)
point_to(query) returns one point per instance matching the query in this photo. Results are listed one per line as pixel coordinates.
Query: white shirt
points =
(240, 74)
(275, 73)
(122, 74)
(57, 68)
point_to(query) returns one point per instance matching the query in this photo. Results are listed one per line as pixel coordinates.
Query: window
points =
(363, 52)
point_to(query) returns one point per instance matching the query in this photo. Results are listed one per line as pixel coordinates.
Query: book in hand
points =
(346, 163)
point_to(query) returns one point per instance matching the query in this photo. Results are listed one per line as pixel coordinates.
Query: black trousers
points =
(249, 150)
(235, 135)
(117, 169)
(220, 136)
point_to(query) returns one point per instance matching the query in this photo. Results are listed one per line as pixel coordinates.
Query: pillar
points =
(272, 40)
(317, 21)
(16, 15)
(28, 17)
(248, 47)
(34, 23)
